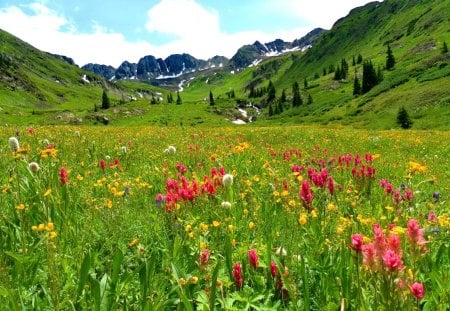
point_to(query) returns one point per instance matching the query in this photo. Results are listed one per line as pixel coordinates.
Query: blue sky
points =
(109, 32)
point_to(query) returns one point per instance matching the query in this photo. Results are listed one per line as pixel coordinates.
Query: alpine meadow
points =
(304, 175)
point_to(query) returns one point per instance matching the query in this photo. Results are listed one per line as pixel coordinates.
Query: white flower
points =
(226, 204)
(281, 251)
(14, 144)
(170, 150)
(124, 149)
(227, 180)
(33, 166)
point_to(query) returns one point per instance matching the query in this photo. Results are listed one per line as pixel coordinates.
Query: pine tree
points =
(280, 106)
(211, 98)
(270, 110)
(283, 96)
(359, 60)
(380, 76)
(105, 100)
(444, 48)
(344, 69)
(305, 83)
(353, 61)
(271, 92)
(390, 59)
(296, 98)
(369, 79)
(403, 118)
(324, 73)
(356, 86)
(310, 100)
(169, 98)
(179, 102)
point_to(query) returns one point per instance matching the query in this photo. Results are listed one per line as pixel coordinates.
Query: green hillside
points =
(37, 87)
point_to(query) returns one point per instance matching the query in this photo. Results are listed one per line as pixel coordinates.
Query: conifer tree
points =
(356, 86)
(271, 92)
(280, 106)
(359, 60)
(169, 98)
(296, 98)
(310, 100)
(283, 96)
(270, 110)
(390, 59)
(369, 79)
(305, 83)
(105, 100)
(444, 48)
(403, 118)
(353, 61)
(211, 98)
(179, 101)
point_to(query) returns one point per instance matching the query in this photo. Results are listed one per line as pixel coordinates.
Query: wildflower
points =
(20, 207)
(14, 144)
(251, 225)
(357, 242)
(369, 255)
(227, 180)
(392, 260)
(77, 133)
(124, 149)
(63, 176)
(305, 193)
(418, 290)
(102, 164)
(182, 281)
(52, 235)
(193, 279)
(226, 204)
(253, 258)
(281, 251)
(204, 257)
(273, 269)
(303, 219)
(415, 233)
(133, 242)
(48, 192)
(170, 150)
(33, 166)
(50, 226)
(436, 196)
(237, 274)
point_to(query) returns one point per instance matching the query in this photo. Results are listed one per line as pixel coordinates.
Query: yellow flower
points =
(79, 177)
(133, 242)
(366, 240)
(41, 227)
(303, 219)
(52, 235)
(389, 208)
(193, 279)
(339, 230)
(191, 234)
(230, 228)
(417, 167)
(34, 228)
(216, 223)
(251, 225)
(20, 207)
(314, 213)
(285, 193)
(204, 227)
(188, 228)
(182, 281)
(48, 192)
(202, 245)
(108, 203)
(50, 226)
(331, 207)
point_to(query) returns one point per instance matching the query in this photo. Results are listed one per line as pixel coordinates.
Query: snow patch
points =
(255, 63)
(232, 72)
(180, 86)
(84, 78)
(238, 121)
(220, 65)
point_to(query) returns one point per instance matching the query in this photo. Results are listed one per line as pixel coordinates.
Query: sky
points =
(110, 32)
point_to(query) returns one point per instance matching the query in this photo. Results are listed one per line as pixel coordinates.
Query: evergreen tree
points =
(283, 96)
(169, 98)
(403, 118)
(390, 59)
(310, 100)
(271, 92)
(105, 100)
(179, 102)
(270, 110)
(280, 106)
(337, 74)
(369, 79)
(344, 69)
(296, 98)
(380, 75)
(356, 86)
(211, 98)
(324, 73)
(444, 48)
(316, 76)
(359, 60)
(153, 101)
(331, 69)
(252, 92)
(353, 61)
(305, 83)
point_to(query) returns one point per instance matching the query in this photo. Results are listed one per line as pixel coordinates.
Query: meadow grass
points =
(234, 218)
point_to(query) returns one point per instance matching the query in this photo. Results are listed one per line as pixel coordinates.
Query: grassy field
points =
(256, 218)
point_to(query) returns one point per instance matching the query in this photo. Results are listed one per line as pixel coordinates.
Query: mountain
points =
(254, 53)
(150, 68)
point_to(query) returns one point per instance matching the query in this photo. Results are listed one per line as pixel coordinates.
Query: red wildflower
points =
(237, 274)
(63, 176)
(204, 257)
(418, 290)
(392, 260)
(305, 193)
(102, 164)
(273, 269)
(415, 233)
(253, 258)
(357, 242)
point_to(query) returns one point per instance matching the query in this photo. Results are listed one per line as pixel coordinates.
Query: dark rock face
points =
(106, 71)
(126, 70)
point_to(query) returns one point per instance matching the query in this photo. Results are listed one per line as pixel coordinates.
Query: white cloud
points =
(320, 13)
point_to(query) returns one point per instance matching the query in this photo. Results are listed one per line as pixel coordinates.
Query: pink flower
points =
(305, 193)
(253, 258)
(330, 185)
(417, 290)
(379, 239)
(409, 194)
(237, 274)
(102, 164)
(395, 244)
(415, 233)
(273, 269)
(369, 256)
(204, 257)
(392, 260)
(357, 242)
(63, 176)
